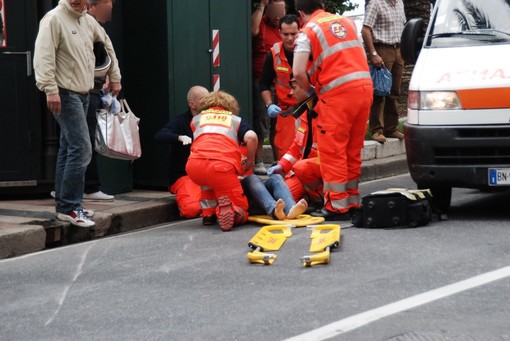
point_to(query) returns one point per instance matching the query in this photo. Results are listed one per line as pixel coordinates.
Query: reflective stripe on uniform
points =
(353, 199)
(205, 204)
(328, 51)
(229, 131)
(339, 204)
(335, 187)
(352, 184)
(345, 79)
(289, 158)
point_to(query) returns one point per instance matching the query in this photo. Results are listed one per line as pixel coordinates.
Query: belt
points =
(393, 46)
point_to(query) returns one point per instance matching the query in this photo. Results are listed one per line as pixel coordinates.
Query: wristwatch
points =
(374, 53)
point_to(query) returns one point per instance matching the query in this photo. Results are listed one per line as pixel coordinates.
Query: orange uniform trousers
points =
(296, 188)
(342, 123)
(284, 134)
(218, 178)
(308, 172)
(187, 195)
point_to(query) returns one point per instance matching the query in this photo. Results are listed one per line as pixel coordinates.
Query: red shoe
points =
(225, 213)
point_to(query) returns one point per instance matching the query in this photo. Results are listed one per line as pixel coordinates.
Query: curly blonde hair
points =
(220, 99)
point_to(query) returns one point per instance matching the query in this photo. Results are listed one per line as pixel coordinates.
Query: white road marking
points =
(77, 274)
(99, 240)
(353, 322)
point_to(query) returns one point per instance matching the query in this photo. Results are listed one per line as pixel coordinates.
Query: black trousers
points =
(92, 182)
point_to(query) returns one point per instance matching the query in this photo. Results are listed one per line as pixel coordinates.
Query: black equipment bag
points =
(394, 207)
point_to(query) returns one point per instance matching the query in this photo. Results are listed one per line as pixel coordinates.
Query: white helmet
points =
(103, 60)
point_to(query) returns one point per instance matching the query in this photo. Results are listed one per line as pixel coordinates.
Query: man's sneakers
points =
(98, 196)
(226, 213)
(88, 213)
(259, 168)
(77, 217)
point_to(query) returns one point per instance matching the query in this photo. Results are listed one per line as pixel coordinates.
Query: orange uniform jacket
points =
(342, 82)
(226, 146)
(324, 31)
(297, 149)
(285, 126)
(215, 161)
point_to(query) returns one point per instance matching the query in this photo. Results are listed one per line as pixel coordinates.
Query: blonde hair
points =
(220, 99)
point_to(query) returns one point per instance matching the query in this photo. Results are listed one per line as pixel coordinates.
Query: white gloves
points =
(185, 139)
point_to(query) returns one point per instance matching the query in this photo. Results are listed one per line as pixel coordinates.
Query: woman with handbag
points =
(215, 159)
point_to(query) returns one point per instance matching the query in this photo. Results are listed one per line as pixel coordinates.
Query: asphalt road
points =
(449, 280)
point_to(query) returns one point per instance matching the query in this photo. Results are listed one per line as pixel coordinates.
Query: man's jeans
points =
(74, 152)
(92, 183)
(263, 194)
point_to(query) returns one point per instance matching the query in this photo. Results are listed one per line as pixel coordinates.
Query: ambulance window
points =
(471, 22)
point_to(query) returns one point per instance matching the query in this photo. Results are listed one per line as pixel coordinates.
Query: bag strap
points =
(125, 104)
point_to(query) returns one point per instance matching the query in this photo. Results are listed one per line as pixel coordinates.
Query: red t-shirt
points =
(261, 44)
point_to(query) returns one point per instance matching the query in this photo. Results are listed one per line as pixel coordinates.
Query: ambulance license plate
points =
(499, 176)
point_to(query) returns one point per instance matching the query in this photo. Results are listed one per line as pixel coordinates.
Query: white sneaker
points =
(88, 213)
(52, 193)
(98, 196)
(259, 168)
(77, 218)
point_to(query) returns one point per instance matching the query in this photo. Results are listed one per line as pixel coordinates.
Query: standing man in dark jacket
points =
(101, 10)
(178, 134)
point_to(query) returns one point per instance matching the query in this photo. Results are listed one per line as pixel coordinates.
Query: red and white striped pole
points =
(216, 59)
(216, 82)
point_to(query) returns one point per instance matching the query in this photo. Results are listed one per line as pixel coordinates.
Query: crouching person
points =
(215, 160)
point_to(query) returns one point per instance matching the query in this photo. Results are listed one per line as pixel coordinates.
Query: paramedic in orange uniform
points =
(215, 160)
(276, 71)
(343, 85)
(300, 162)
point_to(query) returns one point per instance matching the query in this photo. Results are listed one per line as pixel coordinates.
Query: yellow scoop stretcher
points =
(268, 238)
(300, 221)
(324, 239)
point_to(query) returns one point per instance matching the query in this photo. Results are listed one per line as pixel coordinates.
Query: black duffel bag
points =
(395, 207)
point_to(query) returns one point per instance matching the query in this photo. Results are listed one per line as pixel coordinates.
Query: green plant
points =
(339, 6)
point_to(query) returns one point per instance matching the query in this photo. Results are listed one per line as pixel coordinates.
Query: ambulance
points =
(457, 132)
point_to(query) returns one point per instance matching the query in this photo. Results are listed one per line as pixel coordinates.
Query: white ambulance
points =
(458, 121)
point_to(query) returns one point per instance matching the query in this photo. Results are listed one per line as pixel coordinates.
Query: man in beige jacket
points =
(64, 65)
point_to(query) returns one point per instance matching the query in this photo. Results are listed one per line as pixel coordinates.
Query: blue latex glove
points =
(273, 110)
(276, 169)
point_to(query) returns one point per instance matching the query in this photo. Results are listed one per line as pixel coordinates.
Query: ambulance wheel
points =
(441, 197)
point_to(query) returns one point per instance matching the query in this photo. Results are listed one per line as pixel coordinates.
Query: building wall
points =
(166, 52)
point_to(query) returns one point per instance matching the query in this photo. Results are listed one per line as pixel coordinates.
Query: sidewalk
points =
(29, 225)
